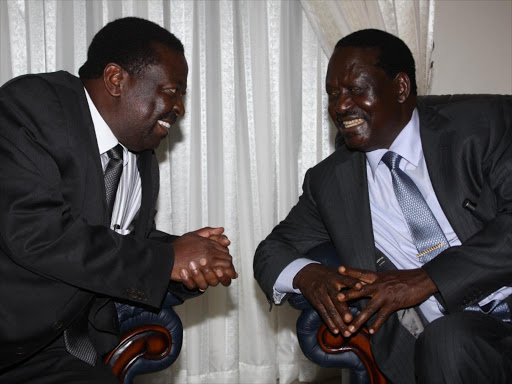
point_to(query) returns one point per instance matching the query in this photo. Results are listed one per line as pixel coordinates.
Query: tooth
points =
(164, 124)
(352, 123)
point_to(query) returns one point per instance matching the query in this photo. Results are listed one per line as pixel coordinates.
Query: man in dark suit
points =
(79, 182)
(438, 313)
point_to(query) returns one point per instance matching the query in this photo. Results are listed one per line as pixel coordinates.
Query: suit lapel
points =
(356, 223)
(438, 142)
(95, 205)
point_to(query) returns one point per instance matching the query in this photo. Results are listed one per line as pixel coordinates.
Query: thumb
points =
(209, 231)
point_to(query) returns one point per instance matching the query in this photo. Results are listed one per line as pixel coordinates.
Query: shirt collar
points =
(407, 144)
(104, 136)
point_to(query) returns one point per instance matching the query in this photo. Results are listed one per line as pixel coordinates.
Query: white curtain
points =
(411, 20)
(256, 120)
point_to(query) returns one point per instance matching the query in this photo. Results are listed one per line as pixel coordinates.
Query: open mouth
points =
(352, 123)
(164, 124)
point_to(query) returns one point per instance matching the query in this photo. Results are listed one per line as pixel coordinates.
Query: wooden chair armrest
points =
(359, 344)
(152, 342)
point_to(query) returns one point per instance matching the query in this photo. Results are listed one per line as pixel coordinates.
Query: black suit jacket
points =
(57, 254)
(467, 148)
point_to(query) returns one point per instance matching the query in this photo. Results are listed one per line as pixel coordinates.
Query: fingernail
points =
(371, 331)
(347, 334)
(183, 273)
(351, 328)
(203, 261)
(341, 296)
(336, 331)
(193, 265)
(219, 273)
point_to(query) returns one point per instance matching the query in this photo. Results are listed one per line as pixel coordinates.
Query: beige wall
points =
(473, 46)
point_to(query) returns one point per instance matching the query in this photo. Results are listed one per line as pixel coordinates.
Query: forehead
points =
(347, 62)
(171, 67)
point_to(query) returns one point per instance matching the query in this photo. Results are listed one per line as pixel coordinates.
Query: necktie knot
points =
(116, 152)
(391, 159)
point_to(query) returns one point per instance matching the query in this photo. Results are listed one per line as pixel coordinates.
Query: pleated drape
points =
(411, 20)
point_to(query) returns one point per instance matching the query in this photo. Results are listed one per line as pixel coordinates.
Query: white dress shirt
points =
(390, 230)
(129, 190)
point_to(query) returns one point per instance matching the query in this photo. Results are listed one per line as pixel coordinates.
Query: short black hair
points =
(127, 42)
(394, 55)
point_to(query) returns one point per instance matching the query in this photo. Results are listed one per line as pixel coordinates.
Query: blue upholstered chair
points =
(326, 349)
(150, 341)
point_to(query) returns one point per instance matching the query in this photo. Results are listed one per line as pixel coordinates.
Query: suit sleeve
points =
(176, 288)
(468, 273)
(41, 231)
(290, 240)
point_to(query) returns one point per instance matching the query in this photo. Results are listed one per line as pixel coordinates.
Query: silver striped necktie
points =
(426, 233)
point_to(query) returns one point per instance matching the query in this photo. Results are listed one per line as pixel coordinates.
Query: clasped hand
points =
(388, 292)
(202, 259)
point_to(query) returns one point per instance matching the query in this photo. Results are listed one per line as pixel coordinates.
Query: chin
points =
(352, 141)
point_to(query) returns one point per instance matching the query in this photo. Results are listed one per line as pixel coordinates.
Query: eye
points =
(332, 93)
(356, 91)
(171, 90)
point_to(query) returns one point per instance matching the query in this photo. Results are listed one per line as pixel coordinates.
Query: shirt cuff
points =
(284, 282)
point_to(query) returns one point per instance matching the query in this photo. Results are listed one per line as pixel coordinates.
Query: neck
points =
(101, 99)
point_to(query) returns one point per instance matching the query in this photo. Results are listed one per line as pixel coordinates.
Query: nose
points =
(344, 103)
(179, 107)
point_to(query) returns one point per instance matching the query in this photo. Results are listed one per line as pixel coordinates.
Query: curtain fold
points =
(411, 20)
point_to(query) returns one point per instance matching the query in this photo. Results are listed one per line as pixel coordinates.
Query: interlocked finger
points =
(187, 280)
(371, 309)
(359, 274)
(221, 239)
(224, 277)
(208, 273)
(198, 276)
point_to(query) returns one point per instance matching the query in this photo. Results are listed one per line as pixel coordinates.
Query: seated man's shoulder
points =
(479, 116)
(468, 105)
(39, 84)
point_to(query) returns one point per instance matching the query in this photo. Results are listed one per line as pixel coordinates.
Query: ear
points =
(403, 86)
(113, 76)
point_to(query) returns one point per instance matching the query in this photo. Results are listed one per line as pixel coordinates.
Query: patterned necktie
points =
(426, 233)
(77, 341)
(112, 176)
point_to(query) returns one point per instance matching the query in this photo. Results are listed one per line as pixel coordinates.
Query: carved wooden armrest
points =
(358, 344)
(152, 342)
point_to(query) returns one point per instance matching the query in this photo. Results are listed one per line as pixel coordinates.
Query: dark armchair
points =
(326, 349)
(317, 343)
(150, 341)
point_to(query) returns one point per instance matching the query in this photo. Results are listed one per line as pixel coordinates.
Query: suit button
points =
(57, 325)
(20, 351)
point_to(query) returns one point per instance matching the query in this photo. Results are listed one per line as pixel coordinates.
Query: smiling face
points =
(150, 102)
(365, 104)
